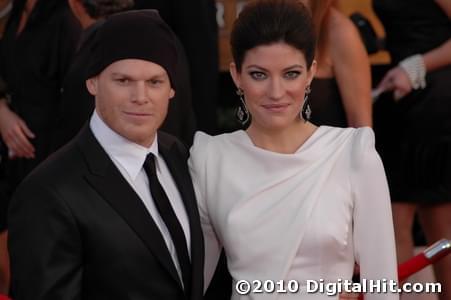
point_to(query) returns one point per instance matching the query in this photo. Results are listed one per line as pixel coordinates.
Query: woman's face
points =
(273, 78)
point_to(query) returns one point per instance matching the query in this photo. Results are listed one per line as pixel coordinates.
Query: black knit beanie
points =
(136, 34)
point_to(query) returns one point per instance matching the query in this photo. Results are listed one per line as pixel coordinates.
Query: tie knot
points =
(149, 164)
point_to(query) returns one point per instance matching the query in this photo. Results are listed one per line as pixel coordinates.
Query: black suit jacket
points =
(77, 230)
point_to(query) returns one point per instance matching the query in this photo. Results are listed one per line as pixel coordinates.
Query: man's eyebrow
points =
(119, 74)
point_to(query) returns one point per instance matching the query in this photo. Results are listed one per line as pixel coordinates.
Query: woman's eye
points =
(257, 75)
(292, 74)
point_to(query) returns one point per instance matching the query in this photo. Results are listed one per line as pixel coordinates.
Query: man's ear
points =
(91, 85)
(171, 93)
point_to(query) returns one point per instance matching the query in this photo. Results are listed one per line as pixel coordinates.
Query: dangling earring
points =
(242, 114)
(306, 111)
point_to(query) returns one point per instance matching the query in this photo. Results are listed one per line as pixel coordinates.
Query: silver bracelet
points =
(416, 70)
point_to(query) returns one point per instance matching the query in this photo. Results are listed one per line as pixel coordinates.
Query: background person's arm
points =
(397, 79)
(351, 68)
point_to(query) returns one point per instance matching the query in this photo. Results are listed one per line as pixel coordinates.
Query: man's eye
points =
(292, 74)
(122, 80)
(258, 75)
(155, 82)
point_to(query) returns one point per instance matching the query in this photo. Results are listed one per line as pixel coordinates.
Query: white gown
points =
(303, 216)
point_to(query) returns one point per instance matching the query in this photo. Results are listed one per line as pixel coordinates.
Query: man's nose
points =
(140, 94)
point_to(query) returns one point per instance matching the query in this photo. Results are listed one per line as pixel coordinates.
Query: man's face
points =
(132, 97)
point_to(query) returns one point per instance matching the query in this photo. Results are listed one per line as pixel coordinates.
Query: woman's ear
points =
(311, 72)
(236, 76)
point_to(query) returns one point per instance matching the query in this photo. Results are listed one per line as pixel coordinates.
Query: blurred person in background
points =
(194, 23)
(341, 91)
(5, 10)
(37, 46)
(415, 124)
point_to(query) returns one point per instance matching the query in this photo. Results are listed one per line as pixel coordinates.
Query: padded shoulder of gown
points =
(363, 147)
(204, 143)
(197, 162)
(198, 151)
(200, 144)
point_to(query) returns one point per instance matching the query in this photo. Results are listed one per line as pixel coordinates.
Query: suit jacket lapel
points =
(107, 180)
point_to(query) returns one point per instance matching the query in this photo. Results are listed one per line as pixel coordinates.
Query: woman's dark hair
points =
(97, 9)
(265, 22)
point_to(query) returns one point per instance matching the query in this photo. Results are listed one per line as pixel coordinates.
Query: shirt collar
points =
(128, 154)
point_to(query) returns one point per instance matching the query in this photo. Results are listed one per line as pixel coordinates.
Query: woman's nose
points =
(276, 89)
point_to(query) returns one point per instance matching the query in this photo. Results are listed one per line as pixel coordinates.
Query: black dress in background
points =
(194, 23)
(77, 104)
(414, 134)
(326, 103)
(33, 65)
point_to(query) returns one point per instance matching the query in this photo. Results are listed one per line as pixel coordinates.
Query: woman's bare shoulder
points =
(341, 29)
(343, 37)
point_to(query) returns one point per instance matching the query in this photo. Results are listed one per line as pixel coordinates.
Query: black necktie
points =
(170, 219)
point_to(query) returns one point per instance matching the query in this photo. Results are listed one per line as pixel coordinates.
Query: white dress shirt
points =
(129, 158)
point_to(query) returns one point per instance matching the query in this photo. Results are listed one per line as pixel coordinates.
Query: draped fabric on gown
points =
(302, 216)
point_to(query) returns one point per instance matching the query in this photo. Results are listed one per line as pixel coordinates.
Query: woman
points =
(286, 199)
(414, 122)
(341, 62)
(37, 45)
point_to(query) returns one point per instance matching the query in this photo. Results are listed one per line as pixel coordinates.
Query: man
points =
(77, 104)
(112, 215)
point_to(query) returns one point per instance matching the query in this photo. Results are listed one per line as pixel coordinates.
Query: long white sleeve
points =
(374, 244)
(197, 165)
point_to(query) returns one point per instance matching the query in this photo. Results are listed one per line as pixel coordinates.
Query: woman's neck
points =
(287, 140)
